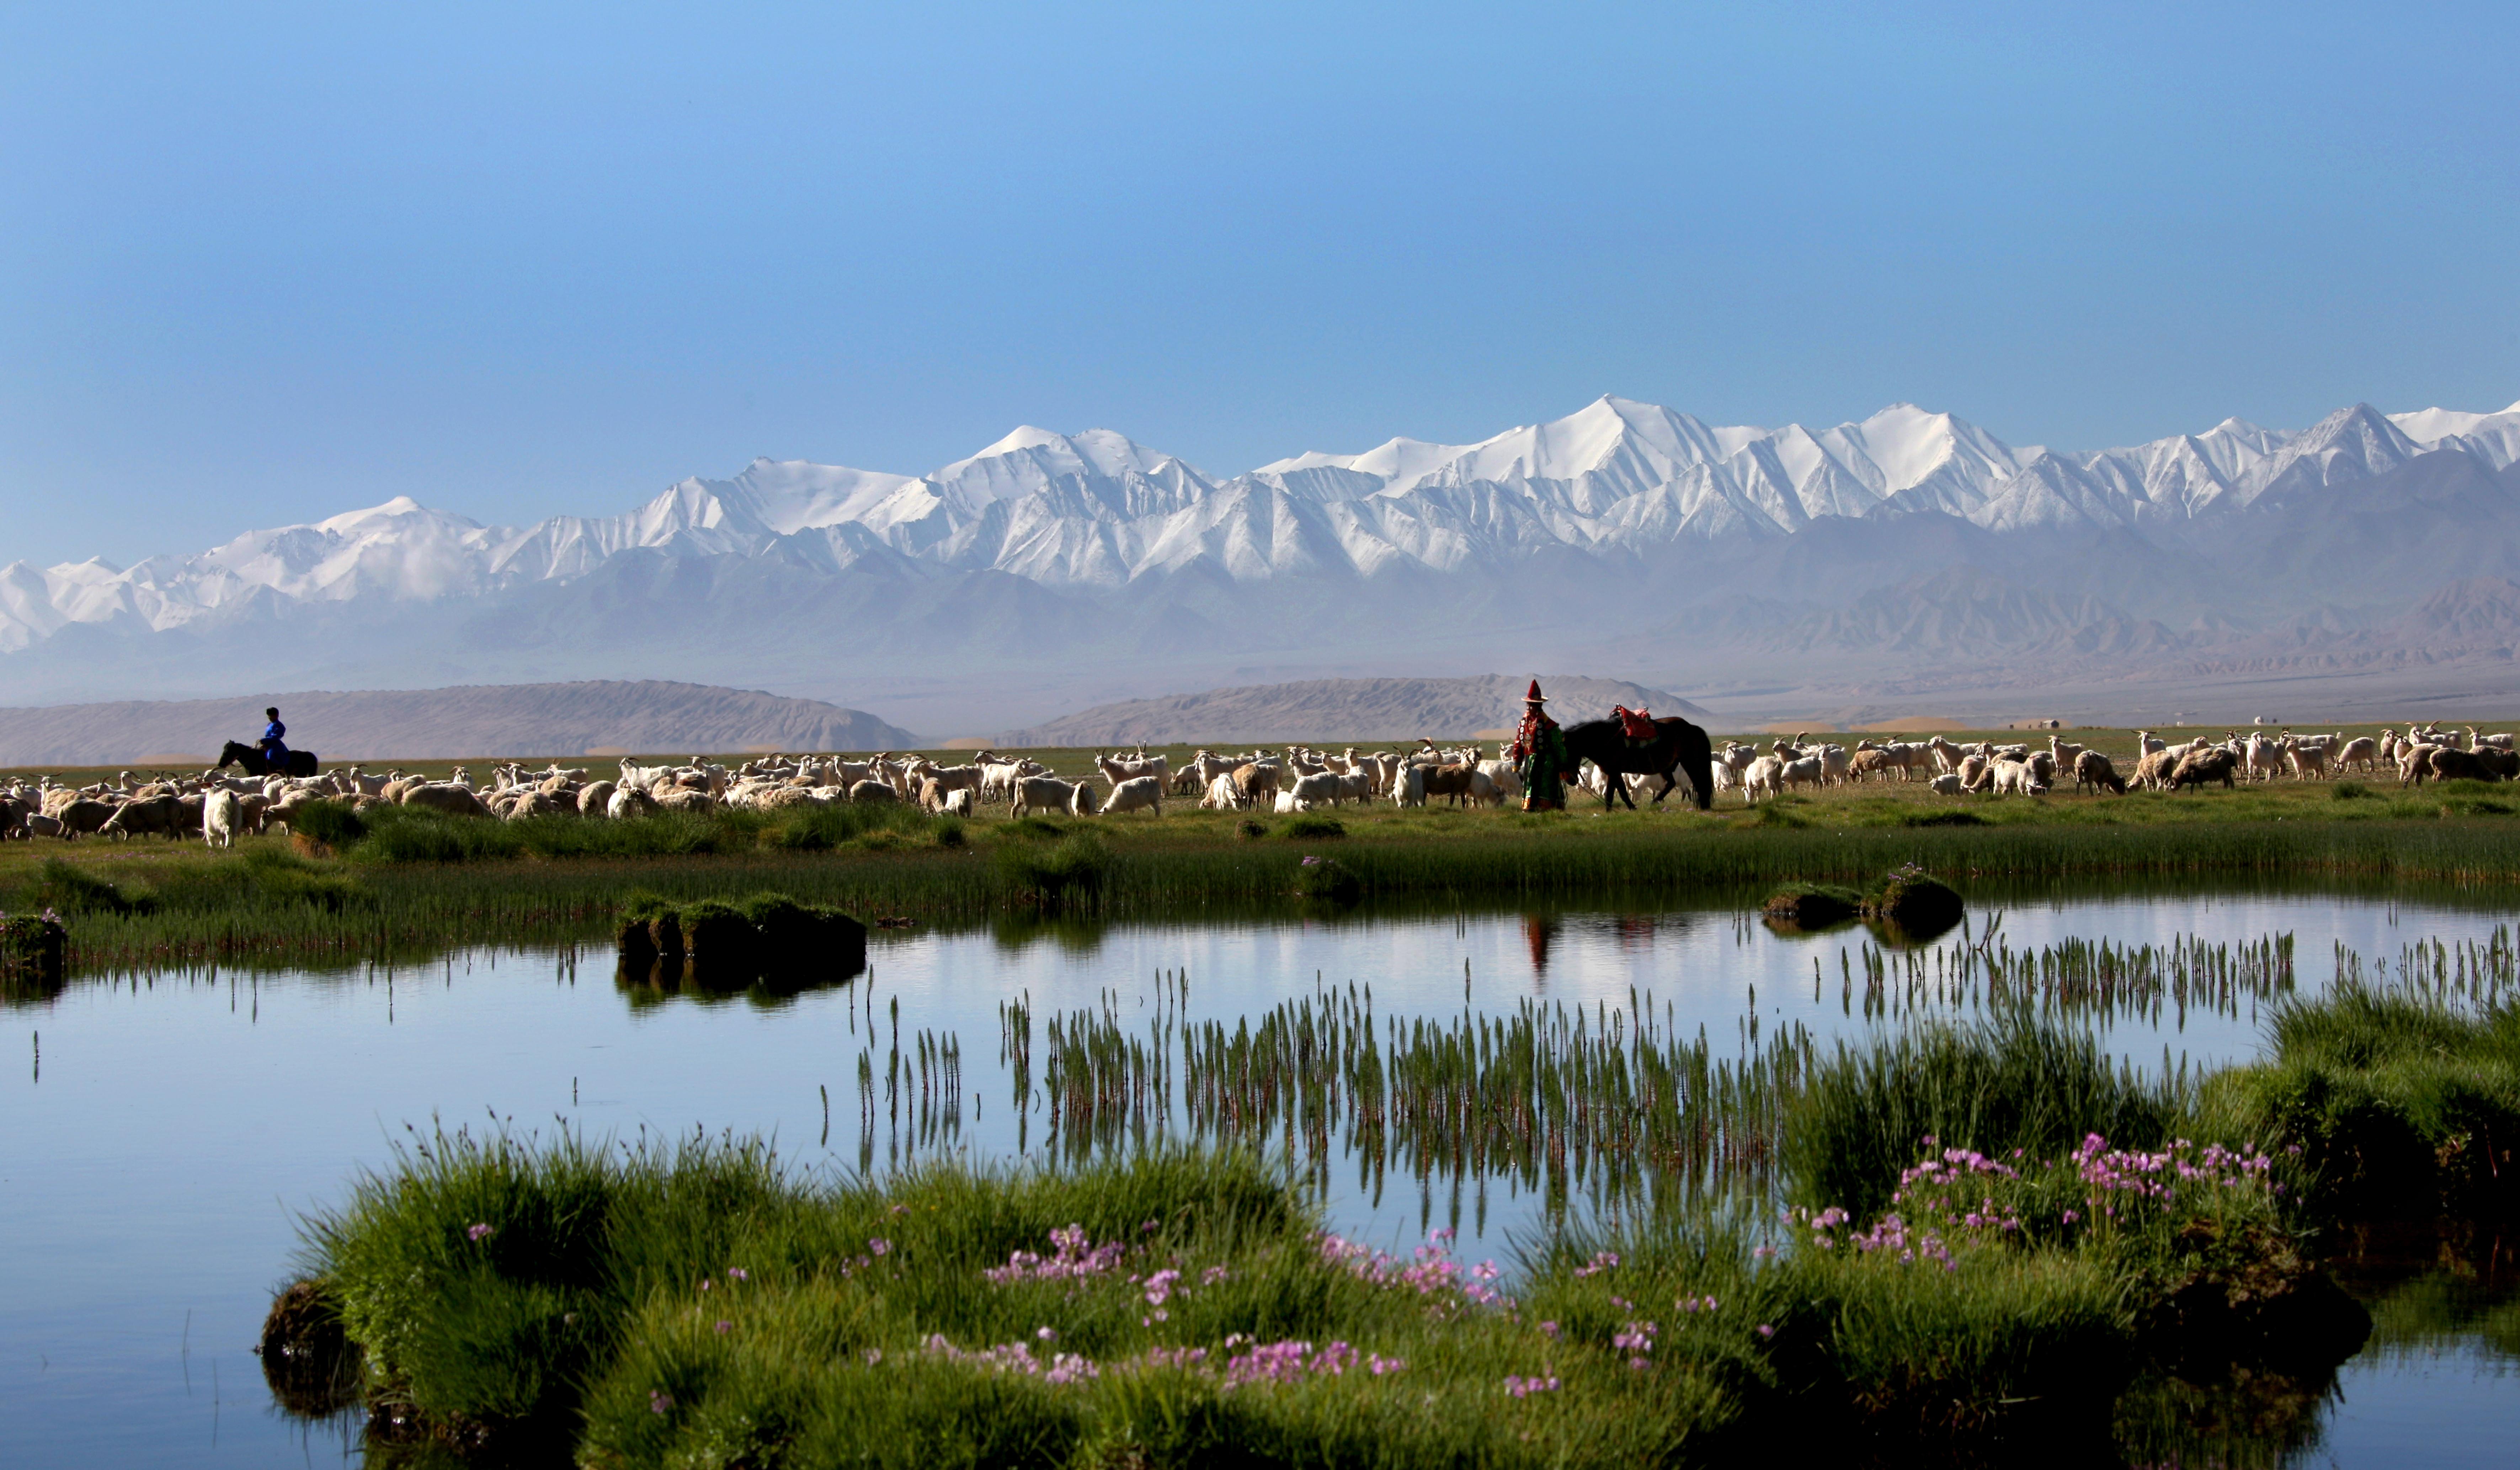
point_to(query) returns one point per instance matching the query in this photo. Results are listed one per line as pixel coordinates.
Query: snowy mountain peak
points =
(1618, 478)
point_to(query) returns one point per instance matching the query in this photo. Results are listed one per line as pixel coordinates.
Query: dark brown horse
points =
(1677, 747)
(250, 758)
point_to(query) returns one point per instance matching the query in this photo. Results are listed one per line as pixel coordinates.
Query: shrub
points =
(334, 823)
(1308, 824)
(1073, 867)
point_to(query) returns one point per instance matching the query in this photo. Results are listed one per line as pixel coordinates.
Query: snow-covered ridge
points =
(1097, 508)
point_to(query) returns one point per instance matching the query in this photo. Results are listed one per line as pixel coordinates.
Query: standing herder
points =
(1539, 756)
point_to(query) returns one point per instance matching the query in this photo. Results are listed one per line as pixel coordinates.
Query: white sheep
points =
(1146, 792)
(1945, 785)
(1320, 787)
(221, 816)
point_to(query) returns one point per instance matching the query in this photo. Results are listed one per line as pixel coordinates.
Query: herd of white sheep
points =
(2023, 769)
(220, 808)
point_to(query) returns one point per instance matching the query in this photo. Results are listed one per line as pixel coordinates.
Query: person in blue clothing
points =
(274, 751)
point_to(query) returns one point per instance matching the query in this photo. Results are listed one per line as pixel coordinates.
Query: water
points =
(161, 1134)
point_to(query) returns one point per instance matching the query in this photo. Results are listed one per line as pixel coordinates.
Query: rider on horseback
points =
(1539, 756)
(274, 751)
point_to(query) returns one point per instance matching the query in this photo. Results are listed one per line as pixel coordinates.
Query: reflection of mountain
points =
(1055, 571)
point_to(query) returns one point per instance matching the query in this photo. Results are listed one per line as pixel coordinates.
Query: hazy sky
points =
(263, 263)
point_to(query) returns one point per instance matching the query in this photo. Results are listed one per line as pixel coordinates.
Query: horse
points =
(236, 753)
(1677, 745)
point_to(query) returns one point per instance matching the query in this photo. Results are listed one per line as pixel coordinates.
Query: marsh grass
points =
(2005, 1084)
(565, 877)
(2404, 1095)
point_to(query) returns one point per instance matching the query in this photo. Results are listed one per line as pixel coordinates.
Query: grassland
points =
(420, 882)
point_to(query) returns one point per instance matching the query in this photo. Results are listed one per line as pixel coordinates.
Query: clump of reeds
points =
(2404, 1097)
(1863, 1111)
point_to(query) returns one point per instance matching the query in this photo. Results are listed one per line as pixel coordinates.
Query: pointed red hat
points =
(1534, 696)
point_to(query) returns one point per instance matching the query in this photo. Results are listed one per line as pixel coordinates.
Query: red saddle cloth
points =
(1636, 724)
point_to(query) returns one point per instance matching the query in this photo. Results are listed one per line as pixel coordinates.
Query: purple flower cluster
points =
(1291, 1362)
(1523, 1388)
(2157, 1176)
(1431, 1271)
(1017, 1358)
(1073, 1256)
(1962, 1196)
(1636, 1340)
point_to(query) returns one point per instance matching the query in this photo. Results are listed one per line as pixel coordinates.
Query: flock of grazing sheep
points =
(220, 808)
(2025, 770)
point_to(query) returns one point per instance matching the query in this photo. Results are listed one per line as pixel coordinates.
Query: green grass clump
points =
(2402, 1102)
(1813, 906)
(697, 1304)
(1073, 867)
(1311, 826)
(1863, 1113)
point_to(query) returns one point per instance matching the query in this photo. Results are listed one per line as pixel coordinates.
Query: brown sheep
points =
(2447, 763)
(1254, 784)
(82, 816)
(2155, 768)
(154, 814)
(1450, 780)
(2092, 771)
(451, 799)
(2197, 766)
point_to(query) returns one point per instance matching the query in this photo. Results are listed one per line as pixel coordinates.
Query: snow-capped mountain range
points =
(1093, 535)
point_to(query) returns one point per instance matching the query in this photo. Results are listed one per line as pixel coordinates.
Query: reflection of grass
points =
(2445, 1306)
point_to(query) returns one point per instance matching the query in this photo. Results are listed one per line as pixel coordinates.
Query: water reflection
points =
(154, 1170)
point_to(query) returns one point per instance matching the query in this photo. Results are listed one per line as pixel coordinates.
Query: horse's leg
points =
(1616, 790)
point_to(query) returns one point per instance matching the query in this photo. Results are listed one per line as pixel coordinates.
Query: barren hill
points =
(1345, 709)
(491, 719)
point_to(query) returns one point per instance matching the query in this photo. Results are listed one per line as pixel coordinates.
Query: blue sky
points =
(263, 263)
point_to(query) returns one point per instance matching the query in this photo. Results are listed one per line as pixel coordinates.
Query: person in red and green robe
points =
(1539, 756)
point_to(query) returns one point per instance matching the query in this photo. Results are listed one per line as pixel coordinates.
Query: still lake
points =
(163, 1133)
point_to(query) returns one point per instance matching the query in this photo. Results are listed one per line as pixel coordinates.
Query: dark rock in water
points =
(1913, 904)
(714, 945)
(1812, 905)
(801, 946)
(307, 1357)
(638, 946)
(721, 945)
